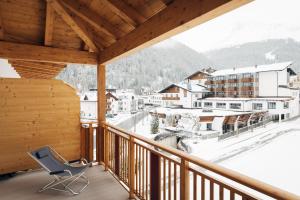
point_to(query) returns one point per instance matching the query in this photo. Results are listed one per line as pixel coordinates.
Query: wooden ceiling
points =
(39, 37)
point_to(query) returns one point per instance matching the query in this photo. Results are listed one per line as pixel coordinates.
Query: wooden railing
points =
(149, 170)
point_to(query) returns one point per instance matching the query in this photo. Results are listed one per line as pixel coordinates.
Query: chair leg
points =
(66, 185)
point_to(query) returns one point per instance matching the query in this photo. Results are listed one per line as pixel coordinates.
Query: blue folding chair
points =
(64, 173)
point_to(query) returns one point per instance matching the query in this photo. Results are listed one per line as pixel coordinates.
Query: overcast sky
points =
(258, 20)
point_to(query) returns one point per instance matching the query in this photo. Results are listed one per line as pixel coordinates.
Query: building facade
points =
(256, 81)
(183, 95)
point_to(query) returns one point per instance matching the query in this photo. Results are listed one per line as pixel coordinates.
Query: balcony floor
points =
(24, 186)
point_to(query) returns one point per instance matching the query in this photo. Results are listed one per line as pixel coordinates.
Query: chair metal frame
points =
(64, 181)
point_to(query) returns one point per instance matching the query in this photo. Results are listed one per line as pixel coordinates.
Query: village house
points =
(183, 95)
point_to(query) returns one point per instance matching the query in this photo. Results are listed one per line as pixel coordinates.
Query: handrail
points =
(252, 183)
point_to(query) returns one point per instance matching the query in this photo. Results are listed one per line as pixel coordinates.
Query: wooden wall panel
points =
(34, 113)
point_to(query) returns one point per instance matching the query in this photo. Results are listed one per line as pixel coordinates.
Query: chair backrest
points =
(44, 156)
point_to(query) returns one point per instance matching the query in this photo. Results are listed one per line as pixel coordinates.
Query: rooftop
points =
(253, 69)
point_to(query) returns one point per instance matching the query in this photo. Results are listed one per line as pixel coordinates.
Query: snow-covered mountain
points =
(257, 53)
(171, 61)
(154, 68)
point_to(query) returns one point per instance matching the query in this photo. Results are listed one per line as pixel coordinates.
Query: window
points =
(195, 104)
(235, 106)
(286, 105)
(257, 106)
(209, 126)
(221, 105)
(233, 76)
(271, 105)
(199, 104)
(207, 104)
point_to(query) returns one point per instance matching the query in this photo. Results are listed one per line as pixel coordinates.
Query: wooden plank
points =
(76, 24)
(37, 68)
(93, 18)
(167, 23)
(1, 28)
(120, 13)
(35, 53)
(43, 65)
(21, 68)
(30, 119)
(50, 15)
(128, 11)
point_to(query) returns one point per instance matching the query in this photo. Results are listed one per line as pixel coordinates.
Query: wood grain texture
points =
(35, 113)
(26, 52)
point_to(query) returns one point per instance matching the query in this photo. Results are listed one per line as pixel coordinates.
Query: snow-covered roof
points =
(197, 72)
(247, 99)
(252, 69)
(191, 87)
(197, 112)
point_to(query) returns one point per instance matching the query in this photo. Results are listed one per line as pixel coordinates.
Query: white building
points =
(184, 95)
(127, 101)
(251, 89)
(154, 99)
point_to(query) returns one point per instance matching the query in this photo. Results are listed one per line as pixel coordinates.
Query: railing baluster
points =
(140, 175)
(164, 178)
(175, 181)
(211, 188)
(155, 176)
(231, 195)
(195, 186)
(184, 180)
(117, 155)
(106, 148)
(202, 188)
(169, 178)
(221, 192)
(131, 167)
(147, 174)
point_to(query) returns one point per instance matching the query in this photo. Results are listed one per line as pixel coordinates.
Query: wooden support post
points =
(131, 168)
(91, 143)
(184, 180)
(82, 143)
(101, 109)
(117, 155)
(155, 176)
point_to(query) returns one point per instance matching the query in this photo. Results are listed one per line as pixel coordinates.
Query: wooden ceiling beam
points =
(27, 52)
(179, 16)
(75, 23)
(50, 15)
(93, 18)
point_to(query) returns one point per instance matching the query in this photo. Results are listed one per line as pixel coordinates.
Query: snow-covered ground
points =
(269, 154)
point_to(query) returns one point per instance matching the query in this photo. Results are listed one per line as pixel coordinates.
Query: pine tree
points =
(154, 124)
